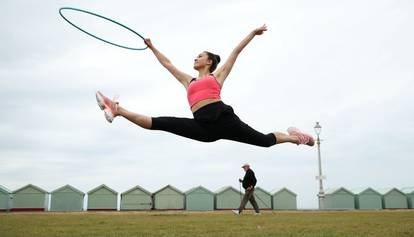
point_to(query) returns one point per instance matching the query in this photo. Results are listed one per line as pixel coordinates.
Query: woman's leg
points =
(229, 126)
(241, 132)
(138, 119)
(237, 130)
(112, 110)
(251, 136)
(184, 127)
(246, 134)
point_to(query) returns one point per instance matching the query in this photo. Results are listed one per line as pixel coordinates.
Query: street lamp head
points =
(318, 128)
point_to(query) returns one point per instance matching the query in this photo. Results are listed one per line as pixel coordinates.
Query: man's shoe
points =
(236, 212)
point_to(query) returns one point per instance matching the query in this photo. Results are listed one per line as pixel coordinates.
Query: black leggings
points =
(213, 122)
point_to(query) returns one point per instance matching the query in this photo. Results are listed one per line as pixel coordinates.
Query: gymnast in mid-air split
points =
(213, 120)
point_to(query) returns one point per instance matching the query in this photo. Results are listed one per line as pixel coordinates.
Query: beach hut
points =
(102, 198)
(29, 198)
(263, 198)
(393, 198)
(168, 198)
(409, 192)
(339, 198)
(67, 198)
(5, 199)
(228, 198)
(136, 198)
(367, 198)
(284, 199)
(199, 199)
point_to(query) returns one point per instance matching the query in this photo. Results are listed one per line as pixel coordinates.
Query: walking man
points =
(248, 182)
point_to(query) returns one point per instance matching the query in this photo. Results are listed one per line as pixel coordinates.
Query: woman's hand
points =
(260, 30)
(148, 42)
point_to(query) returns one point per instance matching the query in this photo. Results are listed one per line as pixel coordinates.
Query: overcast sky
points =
(347, 64)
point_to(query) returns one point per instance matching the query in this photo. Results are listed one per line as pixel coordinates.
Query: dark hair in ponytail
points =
(216, 60)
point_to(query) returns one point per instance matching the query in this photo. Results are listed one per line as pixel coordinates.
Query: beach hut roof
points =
(69, 187)
(171, 187)
(31, 186)
(335, 190)
(220, 190)
(262, 190)
(136, 187)
(198, 187)
(385, 191)
(102, 186)
(362, 190)
(278, 190)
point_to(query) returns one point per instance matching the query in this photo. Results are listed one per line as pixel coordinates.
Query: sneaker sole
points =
(100, 100)
(108, 115)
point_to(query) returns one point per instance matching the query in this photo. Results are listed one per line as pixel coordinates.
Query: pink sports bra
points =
(206, 87)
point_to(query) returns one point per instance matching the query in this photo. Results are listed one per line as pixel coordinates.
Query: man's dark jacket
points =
(249, 179)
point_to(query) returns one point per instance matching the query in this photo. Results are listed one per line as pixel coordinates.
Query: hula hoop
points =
(103, 17)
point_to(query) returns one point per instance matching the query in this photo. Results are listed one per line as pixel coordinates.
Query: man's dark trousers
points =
(249, 196)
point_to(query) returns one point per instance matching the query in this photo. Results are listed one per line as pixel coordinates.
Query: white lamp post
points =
(321, 194)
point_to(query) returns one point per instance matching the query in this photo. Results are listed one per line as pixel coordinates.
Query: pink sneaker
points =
(304, 138)
(110, 107)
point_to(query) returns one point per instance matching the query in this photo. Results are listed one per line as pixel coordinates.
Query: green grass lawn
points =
(218, 223)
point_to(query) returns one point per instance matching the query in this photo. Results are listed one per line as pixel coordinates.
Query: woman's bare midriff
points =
(203, 103)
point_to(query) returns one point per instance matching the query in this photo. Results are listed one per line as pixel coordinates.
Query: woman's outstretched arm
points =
(222, 73)
(182, 77)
